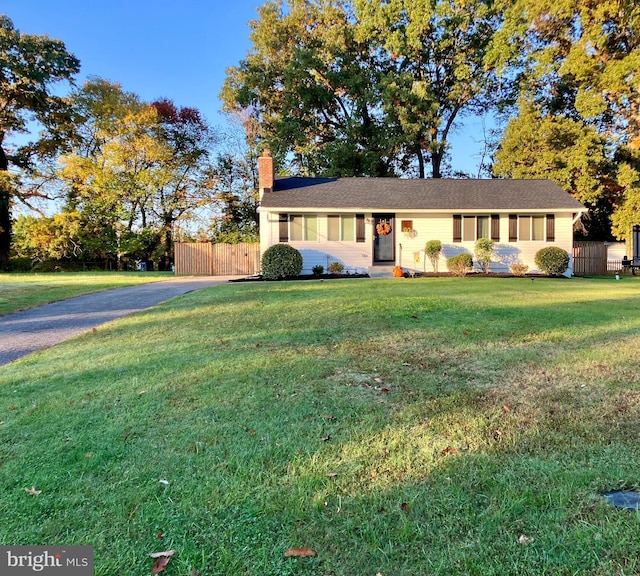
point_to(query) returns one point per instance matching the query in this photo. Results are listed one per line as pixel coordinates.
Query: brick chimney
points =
(266, 173)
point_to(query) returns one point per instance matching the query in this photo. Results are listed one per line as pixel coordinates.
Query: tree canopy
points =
(333, 88)
(364, 88)
(140, 168)
(31, 66)
(579, 64)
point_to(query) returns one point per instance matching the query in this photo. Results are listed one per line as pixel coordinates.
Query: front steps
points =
(381, 271)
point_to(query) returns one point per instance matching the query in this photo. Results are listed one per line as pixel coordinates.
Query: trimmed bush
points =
(484, 251)
(335, 268)
(317, 270)
(552, 261)
(460, 264)
(281, 261)
(432, 249)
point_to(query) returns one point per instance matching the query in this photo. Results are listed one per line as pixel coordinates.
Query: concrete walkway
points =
(37, 328)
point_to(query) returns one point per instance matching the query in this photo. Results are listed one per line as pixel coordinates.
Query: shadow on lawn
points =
(481, 438)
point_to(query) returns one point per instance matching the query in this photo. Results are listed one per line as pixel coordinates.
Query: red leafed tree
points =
(189, 183)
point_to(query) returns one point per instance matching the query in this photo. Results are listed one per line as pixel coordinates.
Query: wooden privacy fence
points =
(204, 259)
(589, 258)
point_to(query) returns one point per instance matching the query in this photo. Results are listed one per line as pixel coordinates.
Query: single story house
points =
(373, 224)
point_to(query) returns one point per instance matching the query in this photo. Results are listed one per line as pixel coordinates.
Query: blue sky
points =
(177, 50)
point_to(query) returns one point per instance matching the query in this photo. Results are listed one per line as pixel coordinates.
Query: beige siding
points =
(358, 256)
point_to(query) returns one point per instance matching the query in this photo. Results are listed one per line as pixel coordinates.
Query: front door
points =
(383, 238)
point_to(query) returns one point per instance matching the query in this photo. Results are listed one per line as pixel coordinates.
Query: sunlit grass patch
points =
(20, 291)
(456, 426)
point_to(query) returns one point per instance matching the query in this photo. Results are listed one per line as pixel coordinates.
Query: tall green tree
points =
(537, 144)
(236, 201)
(436, 71)
(31, 68)
(580, 59)
(592, 46)
(365, 87)
(315, 90)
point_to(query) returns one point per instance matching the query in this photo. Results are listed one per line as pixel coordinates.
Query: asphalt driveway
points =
(37, 328)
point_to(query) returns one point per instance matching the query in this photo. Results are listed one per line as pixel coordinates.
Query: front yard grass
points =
(21, 291)
(433, 426)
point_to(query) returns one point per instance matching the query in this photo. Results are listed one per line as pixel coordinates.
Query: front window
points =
(303, 227)
(341, 228)
(532, 228)
(470, 228)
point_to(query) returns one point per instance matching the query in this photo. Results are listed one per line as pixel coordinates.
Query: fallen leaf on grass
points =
(160, 564)
(524, 539)
(506, 408)
(449, 450)
(299, 553)
(332, 474)
(33, 491)
(404, 507)
(162, 559)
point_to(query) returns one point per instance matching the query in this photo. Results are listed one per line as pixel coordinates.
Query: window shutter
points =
(283, 227)
(457, 228)
(359, 227)
(495, 227)
(513, 227)
(551, 228)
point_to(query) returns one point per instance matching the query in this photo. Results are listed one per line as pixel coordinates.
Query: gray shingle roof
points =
(391, 194)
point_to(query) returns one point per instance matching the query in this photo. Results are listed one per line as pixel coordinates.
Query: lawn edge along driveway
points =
(38, 328)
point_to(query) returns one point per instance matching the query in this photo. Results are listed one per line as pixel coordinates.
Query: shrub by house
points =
(281, 261)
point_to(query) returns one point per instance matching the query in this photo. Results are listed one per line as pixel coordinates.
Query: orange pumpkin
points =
(397, 272)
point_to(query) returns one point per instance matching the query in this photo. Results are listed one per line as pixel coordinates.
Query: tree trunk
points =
(167, 242)
(5, 212)
(420, 160)
(436, 164)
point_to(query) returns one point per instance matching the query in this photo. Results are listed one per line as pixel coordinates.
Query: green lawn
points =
(402, 427)
(20, 291)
